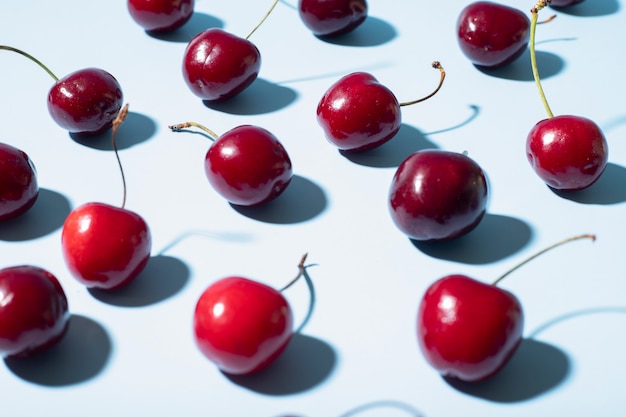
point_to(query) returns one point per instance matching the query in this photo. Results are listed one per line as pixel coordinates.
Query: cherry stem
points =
(119, 119)
(442, 72)
(181, 126)
(262, 20)
(533, 55)
(301, 272)
(541, 252)
(32, 58)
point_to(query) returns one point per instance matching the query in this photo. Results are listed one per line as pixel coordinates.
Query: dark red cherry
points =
(33, 311)
(437, 195)
(160, 15)
(85, 101)
(567, 152)
(358, 113)
(18, 182)
(218, 65)
(491, 34)
(248, 166)
(332, 17)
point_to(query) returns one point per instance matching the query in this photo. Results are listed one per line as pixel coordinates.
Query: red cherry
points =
(491, 34)
(468, 329)
(242, 325)
(247, 165)
(85, 101)
(437, 195)
(218, 65)
(105, 246)
(567, 152)
(160, 15)
(332, 17)
(33, 311)
(18, 182)
(357, 113)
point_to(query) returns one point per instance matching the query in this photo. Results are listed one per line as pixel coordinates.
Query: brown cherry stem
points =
(541, 252)
(533, 54)
(32, 58)
(442, 72)
(117, 122)
(263, 19)
(301, 272)
(180, 126)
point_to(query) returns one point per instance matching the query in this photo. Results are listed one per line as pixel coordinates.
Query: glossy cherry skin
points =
(248, 166)
(438, 195)
(332, 17)
(467, 329)
(160, 15)
(18, 182)
(85, 101)
(105, 247)
(567, 152)
(357, 113)
(218, 65)
(34, 313)
(242, 325)
(491, 34)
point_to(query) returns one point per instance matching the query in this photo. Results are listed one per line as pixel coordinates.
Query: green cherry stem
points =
(186, 125)
(533, 55)
(262, 20)
(541, 252)
(442, 77)
(117, 122)
(32, 58)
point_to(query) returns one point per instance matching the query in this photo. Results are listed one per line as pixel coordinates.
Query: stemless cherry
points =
(247, 165)
(332, 17)
(160, 15)
(104, 246)
(34, 312)
(567, 152)
(218, 65)
(83, 102)
(492, 35)
(438, 195)
(357, 113)
(18, 182)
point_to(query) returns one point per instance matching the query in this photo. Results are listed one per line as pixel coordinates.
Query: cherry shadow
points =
(549, 65)
(372, 32)
(306, 363)
(163, 277)
(591, 8)
(609, 189)
(535, 369)
(261, 97)
(198, 22)
(136, 129)
(80, 356)
(301, 201)
(495, 238)
(391, 154)
(46, 216)
(408, 409)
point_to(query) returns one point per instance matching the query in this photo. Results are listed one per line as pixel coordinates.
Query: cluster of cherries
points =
(466, 329)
